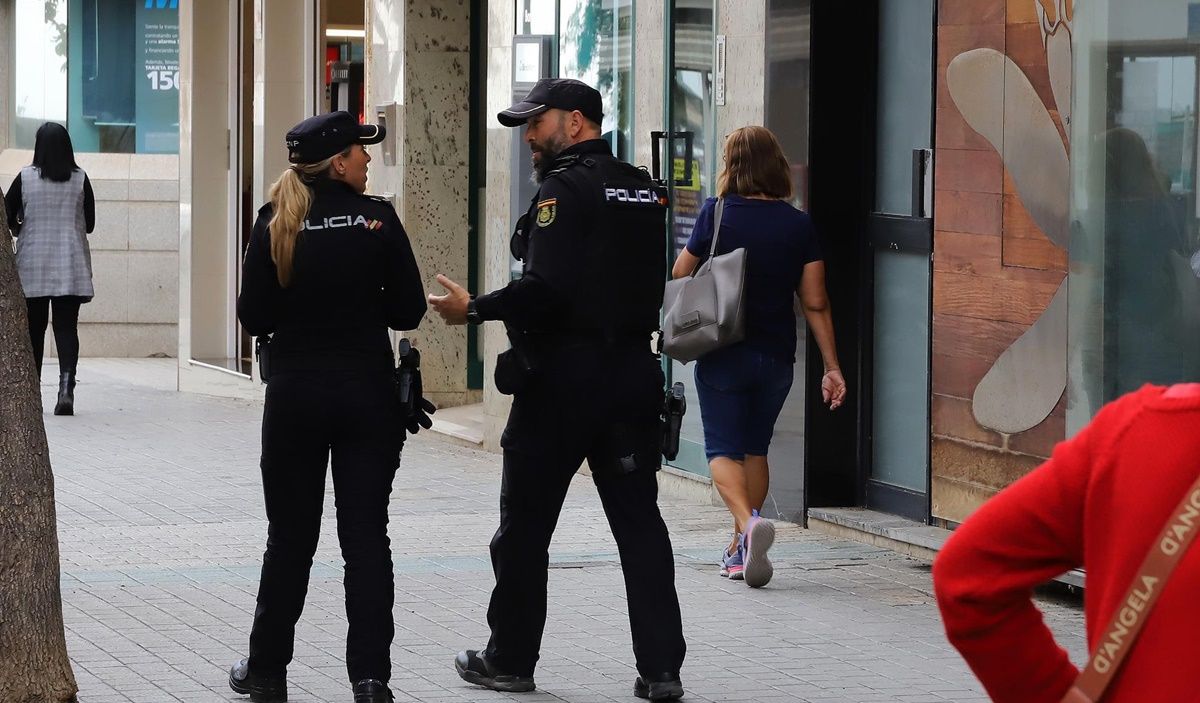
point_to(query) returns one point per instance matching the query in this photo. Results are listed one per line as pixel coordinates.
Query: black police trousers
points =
(309, 419)
(600, 405)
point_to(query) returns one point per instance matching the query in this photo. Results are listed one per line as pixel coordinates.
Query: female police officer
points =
(327, 271)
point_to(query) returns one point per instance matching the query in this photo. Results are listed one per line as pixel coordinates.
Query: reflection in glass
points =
(41, 84)
(595, 46)
(691, 111)
(904, 66)
(535, 16)
(789, 28)
(1135, 293)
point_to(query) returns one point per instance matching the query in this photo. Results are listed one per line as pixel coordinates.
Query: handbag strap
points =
(1165, 554)
(712, 248)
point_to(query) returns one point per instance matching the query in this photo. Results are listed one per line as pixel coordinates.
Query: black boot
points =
(66, 394)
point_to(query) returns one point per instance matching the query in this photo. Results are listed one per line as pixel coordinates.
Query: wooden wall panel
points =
(994, 270)
(970, 170)
(964, 211)
(956, 12)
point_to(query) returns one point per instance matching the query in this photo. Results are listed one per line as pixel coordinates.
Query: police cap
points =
(323, 136)
(562, 93)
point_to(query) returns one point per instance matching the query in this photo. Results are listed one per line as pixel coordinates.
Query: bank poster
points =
(156, 41)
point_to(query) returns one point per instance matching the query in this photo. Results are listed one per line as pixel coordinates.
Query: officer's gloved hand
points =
(420, 416)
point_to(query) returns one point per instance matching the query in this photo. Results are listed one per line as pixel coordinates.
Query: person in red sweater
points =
(1099, 502)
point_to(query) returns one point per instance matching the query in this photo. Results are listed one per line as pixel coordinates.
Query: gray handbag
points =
(705, 311)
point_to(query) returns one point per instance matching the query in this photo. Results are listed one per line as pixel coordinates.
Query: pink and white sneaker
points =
(732, 565)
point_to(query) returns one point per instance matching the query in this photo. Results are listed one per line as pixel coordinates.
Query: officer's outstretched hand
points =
(453, 305)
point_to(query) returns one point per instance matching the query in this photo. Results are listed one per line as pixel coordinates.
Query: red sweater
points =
(1099, 502)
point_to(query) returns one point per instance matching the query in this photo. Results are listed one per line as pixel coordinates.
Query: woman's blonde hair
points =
(291, 198)
(754, 165)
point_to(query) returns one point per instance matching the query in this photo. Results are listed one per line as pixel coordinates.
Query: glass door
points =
(901, 235)
(787, 107)
(691, 135)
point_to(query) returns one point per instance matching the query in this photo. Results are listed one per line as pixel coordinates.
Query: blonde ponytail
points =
(291, 199)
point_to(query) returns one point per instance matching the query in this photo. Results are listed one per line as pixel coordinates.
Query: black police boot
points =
(372, 691)
(660, 687)
(473, 668)
(262, 689)
(66, 394)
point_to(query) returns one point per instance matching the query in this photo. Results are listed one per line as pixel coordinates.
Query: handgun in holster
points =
(410, 393)
(408, 377)
(262, 353)
(674, 407)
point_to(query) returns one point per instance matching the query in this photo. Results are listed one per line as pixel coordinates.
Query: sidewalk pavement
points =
(161, 529)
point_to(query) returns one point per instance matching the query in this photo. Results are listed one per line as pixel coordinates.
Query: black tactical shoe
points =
(372, 691)
(262, 689)
(660, 687)
(473, 668)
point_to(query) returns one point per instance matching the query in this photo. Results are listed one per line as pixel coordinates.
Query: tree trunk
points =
(34, 667)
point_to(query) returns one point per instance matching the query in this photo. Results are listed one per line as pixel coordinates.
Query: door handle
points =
(922, 183)
(668, 173)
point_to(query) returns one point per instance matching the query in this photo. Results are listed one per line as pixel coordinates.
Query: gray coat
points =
(53, 257)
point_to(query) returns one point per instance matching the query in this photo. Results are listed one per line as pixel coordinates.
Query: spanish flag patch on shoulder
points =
(546, 211)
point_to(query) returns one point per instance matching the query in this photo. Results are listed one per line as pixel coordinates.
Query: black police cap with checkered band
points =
(323, 136)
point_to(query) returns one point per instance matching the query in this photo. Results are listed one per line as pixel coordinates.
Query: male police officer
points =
(586, 385)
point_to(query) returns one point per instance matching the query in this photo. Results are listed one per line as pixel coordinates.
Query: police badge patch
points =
(546, 211)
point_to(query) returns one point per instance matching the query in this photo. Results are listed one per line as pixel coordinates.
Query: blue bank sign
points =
(157, 95)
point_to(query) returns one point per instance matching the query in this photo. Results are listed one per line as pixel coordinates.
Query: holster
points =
(262, 352)
(673, 410)
(515, 368)
(407, 379)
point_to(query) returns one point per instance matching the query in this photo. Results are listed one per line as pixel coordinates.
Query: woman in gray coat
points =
(51, 210)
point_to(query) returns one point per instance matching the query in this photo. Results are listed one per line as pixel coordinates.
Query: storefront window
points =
(595, 46)
(108, 68)
(692, 120)
(1135, 292)
(41, 84)
(536, 16)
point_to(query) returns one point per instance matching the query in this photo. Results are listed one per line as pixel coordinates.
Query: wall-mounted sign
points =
(527, 63)
(719, 77)
(156, 41)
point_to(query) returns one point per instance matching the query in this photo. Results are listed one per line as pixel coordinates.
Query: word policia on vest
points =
(625, 195)
(343, 221)
(1174, 537)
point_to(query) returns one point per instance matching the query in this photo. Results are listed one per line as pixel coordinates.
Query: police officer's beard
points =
(547, 154)
(545, 162)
